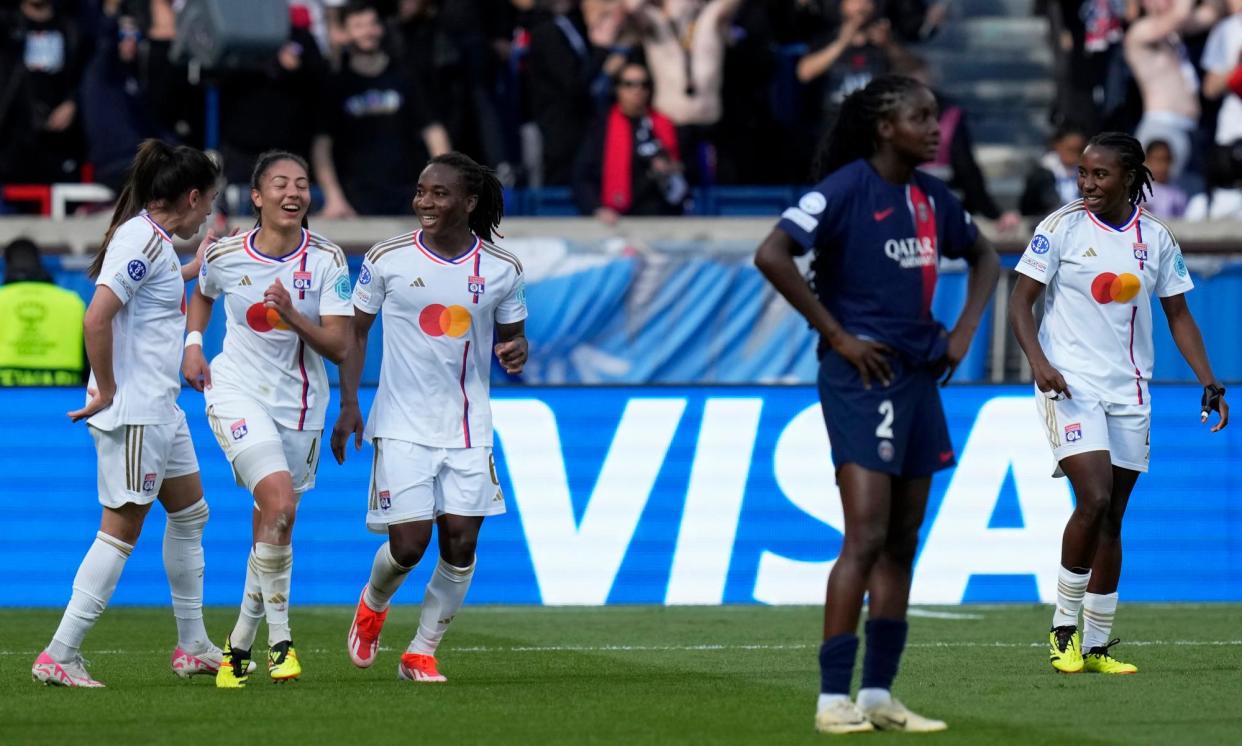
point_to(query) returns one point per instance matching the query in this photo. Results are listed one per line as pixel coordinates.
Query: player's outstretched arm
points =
(194, 366)
(980, 284)
(1189, 341)
(97, 331)
(775, 260)
(1022, 319)
(349, 420)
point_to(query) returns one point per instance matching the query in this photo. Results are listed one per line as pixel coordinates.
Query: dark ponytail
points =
(480, 181)
(159, 172)
(267, 160)
(1130, 152)
(853, 134)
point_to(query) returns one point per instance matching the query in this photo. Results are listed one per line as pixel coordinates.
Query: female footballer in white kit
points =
(133, 331)
(1097, 261)
(286, 295)
(447, 295)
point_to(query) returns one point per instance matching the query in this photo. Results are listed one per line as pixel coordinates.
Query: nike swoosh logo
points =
(882, 214)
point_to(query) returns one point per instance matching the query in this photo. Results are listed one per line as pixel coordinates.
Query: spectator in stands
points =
(1170, 87)
(1054, 181)
(52, 67)
(1104, 23)
(115, 109)
(374, 135)
(845, 60)
(286, 90)
(1167, 199)
(40, 323)
(18, 128)
(1074, 100)
(684, 43)
(630, 163)
(178, 102)
(1223, 198)
(572, 57)
(955, 159)
(1222, 75)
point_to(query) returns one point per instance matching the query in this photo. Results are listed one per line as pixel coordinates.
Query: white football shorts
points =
(412, 482)
(1079, 425)
(240, 425)
(134, 460)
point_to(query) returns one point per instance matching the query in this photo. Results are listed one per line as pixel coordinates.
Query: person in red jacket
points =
(629, 163)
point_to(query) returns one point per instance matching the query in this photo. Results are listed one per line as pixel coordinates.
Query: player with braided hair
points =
(878, 227)
(1100, 258)
(446, 292)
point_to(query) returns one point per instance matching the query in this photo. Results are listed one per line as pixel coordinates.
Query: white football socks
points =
(275, 569)
(387, 575)
(243, 634)
(443, 599)
(93, 585)
(1070, 589)
(873, 697)
(1098, 610)
(183, 562)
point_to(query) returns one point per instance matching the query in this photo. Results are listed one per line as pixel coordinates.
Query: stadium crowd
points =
(632, 103)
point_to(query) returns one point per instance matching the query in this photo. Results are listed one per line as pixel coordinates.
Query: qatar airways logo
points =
(911, 252)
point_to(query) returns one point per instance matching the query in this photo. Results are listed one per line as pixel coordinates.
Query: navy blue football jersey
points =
(877, 247)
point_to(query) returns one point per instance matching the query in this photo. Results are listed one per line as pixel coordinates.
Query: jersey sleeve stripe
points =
(1163, 225)
(504, 258)
(222, 247)
(1057, 217)
(150, 251)
(374, 255)
(405, 239)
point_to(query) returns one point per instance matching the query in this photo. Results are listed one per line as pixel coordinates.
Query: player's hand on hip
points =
(99, 401)
(195, 368)
(955, 352)
(1214, 400)
(348, 422)
(870, 358)
(512, 354)
(1050, 381)
(277, 296)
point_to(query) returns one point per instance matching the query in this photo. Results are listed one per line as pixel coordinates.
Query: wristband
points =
(194, 338)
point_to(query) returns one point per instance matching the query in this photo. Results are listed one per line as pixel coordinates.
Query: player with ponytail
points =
(133, 330)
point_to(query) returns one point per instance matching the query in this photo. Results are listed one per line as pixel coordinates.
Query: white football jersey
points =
(142, 268)
(1097, 327)
(263, 359)
(439, 319)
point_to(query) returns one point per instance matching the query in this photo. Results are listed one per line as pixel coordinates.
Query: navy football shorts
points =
(897, 429)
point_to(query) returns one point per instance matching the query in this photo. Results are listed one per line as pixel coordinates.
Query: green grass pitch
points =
(635, 675)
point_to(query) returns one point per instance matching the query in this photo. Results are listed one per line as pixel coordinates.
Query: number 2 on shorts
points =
(885, 428)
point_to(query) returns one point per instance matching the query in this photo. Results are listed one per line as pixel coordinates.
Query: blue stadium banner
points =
(695, 495)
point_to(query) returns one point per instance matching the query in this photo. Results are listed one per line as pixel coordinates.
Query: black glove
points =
(1211, 399)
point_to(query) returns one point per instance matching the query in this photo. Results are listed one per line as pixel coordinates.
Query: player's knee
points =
(458, 550)
(1092, 504)
(903, 548)
(1110, 527)
(407, 551)
(863, 547)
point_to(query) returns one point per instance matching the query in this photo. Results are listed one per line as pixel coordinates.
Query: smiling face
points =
(192, 212)
(364, 31)
(1104, 184)
(283, 196)
(913, 128)
(441, 202)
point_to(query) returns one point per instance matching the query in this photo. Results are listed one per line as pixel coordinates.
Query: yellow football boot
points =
(235, 667)
(1065, 649)
(1097, 660)
(282, 662)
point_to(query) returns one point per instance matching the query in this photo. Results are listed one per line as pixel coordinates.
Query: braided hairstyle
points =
(480, 181)
(267, 160)
(1130, 152)
(853, 134)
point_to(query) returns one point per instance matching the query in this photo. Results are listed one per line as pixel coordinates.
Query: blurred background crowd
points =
(632, 106)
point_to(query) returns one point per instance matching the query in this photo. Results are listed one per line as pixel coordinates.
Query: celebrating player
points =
(878, 228)
(133, 331)
(1100, 258)
(287, 300)
(445, 290)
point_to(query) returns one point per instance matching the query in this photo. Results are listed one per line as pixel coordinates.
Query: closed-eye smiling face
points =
(283, 196)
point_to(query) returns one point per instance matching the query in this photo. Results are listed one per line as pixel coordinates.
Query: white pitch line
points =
(706, 647)
(933, 614)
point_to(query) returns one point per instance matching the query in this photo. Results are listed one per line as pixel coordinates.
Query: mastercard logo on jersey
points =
(263, 319)
(438, 321)
(1110, 288)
